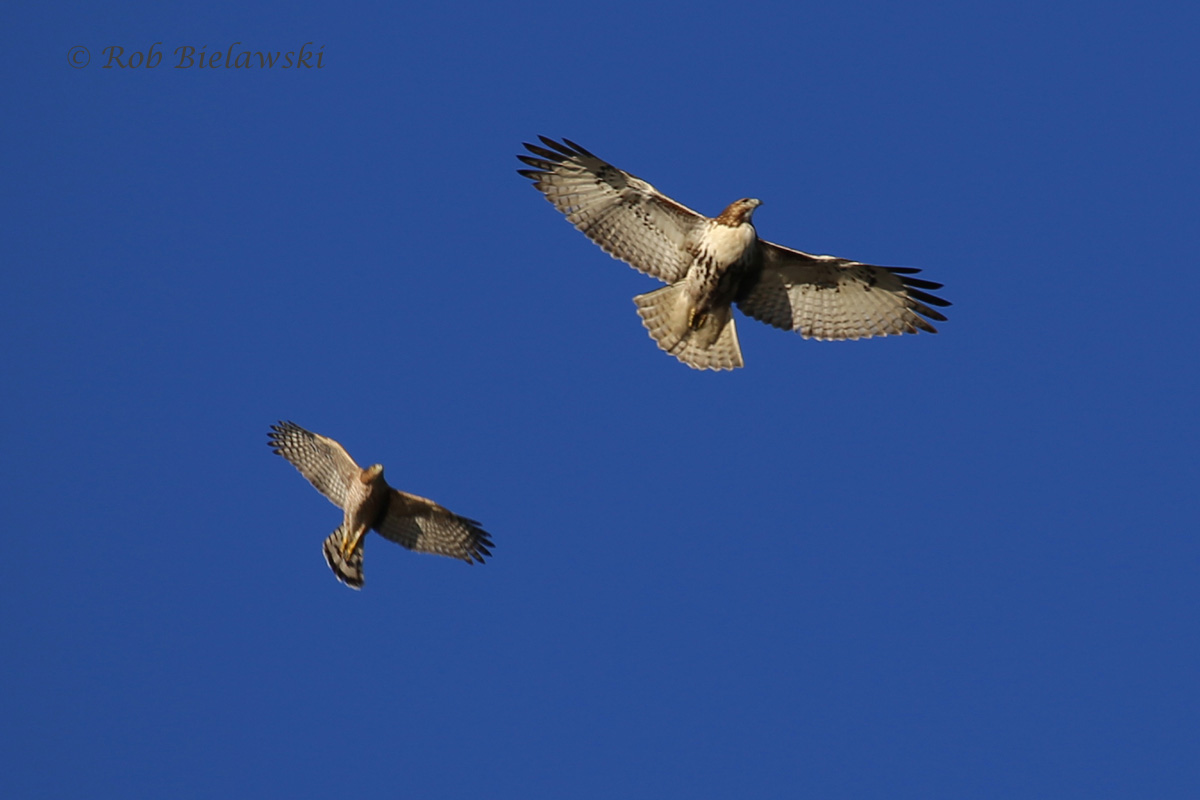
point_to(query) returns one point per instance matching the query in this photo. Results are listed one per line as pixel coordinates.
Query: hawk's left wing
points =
(627, 217)
(424, 526)
(824, 297)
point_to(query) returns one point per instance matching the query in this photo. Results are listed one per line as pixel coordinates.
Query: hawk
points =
(711, 264)
(370, 504)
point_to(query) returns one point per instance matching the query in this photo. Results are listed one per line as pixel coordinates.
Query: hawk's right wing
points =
(323, 461)
(627, 217)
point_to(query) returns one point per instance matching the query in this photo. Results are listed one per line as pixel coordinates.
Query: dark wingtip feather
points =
(581, 150)
(921, 283)
(278, 430)
(926, 311)
(554, 156)
(925, 297)
(479, 546)
(562, 148)
(913, 286)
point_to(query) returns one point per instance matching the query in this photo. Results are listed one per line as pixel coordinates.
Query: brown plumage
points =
(713, 263)
(368, 503)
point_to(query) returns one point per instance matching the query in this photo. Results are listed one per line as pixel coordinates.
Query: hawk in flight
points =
(370, 504)
(710, 264)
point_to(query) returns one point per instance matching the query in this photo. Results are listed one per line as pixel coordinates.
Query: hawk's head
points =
(739, 212)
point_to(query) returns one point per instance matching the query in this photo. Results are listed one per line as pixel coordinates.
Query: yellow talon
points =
(353, 543)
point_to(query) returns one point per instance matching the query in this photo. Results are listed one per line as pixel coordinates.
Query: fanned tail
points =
(711, 344)
(348, 570)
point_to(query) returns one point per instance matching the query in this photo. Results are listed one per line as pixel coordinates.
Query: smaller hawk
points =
(370, 504)
(713, 263)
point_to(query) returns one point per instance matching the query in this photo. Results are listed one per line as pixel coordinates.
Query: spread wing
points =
(627, 217)
(424, 526)
(823, 297)
(323, 461)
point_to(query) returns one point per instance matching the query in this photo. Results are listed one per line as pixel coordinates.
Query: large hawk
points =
(369, 504)
(712, 263)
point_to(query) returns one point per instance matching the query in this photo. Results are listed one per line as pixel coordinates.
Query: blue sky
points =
(960, 565)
